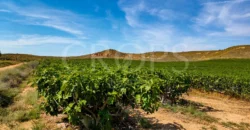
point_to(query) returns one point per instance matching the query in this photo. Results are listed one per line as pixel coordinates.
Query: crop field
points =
(94, 93)
(125, 94)
(225, 76)
(229, 68)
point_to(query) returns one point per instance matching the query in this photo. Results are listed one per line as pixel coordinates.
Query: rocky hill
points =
(234, 52)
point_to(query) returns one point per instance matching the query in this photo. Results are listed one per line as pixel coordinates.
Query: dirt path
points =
(166, 120)
(48, 122)
(224, 108)
(221, 107)
(10, 67)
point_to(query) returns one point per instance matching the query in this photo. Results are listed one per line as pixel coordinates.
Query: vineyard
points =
(94, 93)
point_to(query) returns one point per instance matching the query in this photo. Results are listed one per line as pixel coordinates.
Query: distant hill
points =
(235, 52)
(23, 57)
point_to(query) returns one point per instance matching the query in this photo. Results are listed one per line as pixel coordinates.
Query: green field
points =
(225, 76)
(239, 68)
(100, 88)
(235, 68)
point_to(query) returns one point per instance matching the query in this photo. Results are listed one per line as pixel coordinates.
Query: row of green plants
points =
(232, 86)
(94, 96)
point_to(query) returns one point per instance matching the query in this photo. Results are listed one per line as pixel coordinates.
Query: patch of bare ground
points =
(230, 114)
(165, 120)
(227, 109)
(10, 67)
(55, 122)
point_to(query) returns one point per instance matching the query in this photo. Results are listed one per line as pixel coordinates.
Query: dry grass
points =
(7, 63)
(10, 81)
(235, 126)
(23, 109)
(15, 106)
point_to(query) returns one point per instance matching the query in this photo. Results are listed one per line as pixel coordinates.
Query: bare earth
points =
(222, 107)
(225, 108)
(10, 67)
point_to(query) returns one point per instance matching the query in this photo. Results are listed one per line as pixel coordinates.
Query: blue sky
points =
(66, 27)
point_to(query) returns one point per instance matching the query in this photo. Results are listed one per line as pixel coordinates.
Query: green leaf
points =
(110, 100)
(82, 102)
(138, 98)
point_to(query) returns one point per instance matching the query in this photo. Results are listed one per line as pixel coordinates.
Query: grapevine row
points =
(94, 96)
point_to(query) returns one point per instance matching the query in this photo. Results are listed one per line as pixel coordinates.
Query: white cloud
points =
(134, 10)
(164, 38)
(63, 20)
(159, 35)
(142, 33)
(62, 26)
(164, 14)
(193, 44)
(155, 34)
(231, 18)
(25, 40)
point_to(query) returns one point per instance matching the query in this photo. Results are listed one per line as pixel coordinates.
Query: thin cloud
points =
(63, 27)
(43, 16)
(26, 40)
(134, 10)
(231, 18)
(158, 35)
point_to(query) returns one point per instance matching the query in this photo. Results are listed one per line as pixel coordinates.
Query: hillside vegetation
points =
(235, 52)
(242, 51)
(7, 63)
(24, 57)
